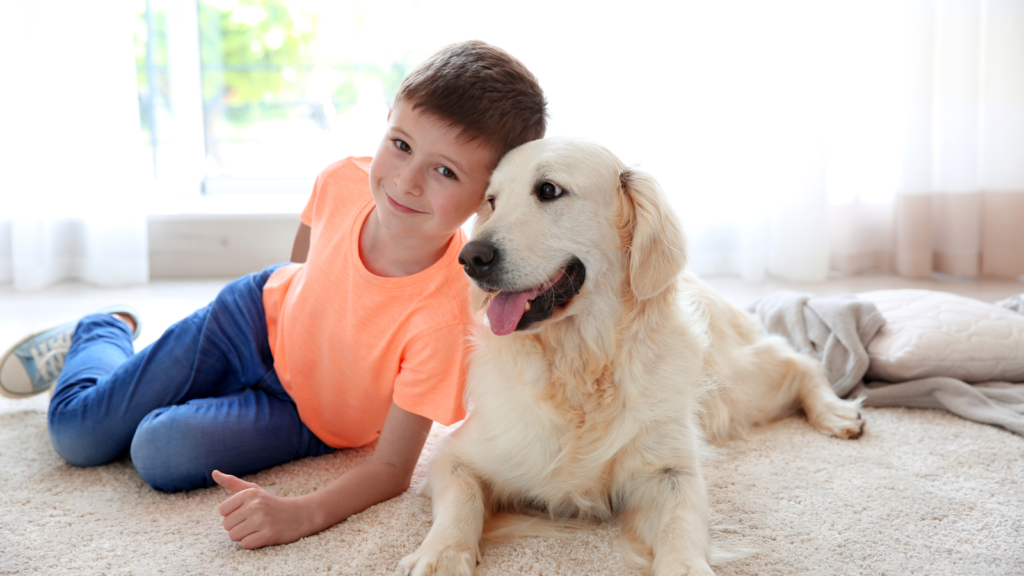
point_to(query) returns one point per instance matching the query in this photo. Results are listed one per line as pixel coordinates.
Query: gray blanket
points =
(837, 329)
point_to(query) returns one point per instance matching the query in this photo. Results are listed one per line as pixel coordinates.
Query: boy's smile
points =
(399, 207)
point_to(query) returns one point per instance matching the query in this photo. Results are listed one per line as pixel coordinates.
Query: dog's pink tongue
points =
(506, 309)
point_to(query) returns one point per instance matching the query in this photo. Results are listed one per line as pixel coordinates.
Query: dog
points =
(600, 368)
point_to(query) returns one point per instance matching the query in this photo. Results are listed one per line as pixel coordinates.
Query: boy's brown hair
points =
(482, 90)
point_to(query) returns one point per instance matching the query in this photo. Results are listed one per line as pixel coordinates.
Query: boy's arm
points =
(255, 517)
(300, 249)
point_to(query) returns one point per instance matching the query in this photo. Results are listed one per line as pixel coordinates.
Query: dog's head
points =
(564, 223)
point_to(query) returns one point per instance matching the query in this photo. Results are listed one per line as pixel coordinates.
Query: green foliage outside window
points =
(257, 57)
(255, 54)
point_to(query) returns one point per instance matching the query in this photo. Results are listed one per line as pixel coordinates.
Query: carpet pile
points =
(922, 492)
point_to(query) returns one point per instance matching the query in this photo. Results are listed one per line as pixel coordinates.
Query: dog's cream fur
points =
(602, 409)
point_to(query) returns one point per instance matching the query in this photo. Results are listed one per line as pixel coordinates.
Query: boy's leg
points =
(104, 391)
(33, 365)
(100, 345)
(178, 447)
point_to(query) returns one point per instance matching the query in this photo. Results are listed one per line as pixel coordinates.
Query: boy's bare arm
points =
(256, 517)
(300, 249)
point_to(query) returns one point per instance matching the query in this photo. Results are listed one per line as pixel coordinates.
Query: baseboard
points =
(218, 246)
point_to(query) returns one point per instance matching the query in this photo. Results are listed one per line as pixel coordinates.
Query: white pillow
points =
(930, 333)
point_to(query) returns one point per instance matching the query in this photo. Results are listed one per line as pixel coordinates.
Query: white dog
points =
(600, 368)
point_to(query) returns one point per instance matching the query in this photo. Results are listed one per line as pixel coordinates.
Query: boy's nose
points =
(409, 181)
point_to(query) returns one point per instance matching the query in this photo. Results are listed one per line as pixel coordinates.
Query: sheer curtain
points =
(72, 178)
(723, 102)
(797, 138)
(958, 205)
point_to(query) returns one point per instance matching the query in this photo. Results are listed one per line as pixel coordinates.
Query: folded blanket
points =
(837, 329)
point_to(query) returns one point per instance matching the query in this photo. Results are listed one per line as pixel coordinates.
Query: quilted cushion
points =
(930, 333)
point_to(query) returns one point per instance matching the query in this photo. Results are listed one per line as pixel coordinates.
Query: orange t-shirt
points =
(346, 343)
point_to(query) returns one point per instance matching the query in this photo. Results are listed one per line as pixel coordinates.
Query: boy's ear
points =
(649, 228)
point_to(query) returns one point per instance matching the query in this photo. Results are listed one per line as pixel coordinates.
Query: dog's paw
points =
(696, 568)
(448, 560)
(839, 418)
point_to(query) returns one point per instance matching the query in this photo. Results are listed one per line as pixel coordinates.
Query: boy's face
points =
(425, 180)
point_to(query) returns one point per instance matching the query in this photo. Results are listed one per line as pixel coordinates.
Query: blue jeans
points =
(203, 397)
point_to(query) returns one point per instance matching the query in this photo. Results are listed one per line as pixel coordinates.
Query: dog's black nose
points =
(478, 258)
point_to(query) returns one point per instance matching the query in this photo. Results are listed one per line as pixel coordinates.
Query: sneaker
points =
(1015, 303)
(33, 365)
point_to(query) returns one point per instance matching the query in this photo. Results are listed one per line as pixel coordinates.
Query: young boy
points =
(363, 338)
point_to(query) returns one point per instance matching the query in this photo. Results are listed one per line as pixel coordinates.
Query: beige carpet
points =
(922, 492)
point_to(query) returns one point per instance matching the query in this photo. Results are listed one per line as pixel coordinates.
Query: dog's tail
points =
(727, 545)
(511, 526)
(725, 548)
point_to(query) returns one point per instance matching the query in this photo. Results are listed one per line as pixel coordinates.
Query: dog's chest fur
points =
(568, 409)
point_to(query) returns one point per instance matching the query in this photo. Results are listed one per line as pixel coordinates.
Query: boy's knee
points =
(80, 448)
(80, 440)
(167, 455)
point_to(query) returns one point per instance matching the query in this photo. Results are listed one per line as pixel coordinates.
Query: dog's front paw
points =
(695, 568)
(448, 560)
(839, 418)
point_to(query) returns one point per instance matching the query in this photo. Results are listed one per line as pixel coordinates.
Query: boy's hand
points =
(255, 517)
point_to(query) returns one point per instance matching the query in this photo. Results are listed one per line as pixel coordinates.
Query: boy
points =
(362, 339)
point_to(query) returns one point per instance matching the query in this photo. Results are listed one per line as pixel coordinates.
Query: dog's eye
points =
(549, 191)
(491, 200)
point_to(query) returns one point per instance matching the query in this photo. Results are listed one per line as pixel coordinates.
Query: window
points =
(286, 87)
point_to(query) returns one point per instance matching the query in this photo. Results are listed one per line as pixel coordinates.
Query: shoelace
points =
(49, 356)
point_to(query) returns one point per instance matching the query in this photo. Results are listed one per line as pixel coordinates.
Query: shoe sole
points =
(15, 395)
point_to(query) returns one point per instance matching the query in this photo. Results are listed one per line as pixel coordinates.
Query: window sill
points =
(220, 236)
(241, 206)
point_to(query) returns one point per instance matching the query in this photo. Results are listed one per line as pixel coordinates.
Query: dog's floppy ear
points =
(650, 230)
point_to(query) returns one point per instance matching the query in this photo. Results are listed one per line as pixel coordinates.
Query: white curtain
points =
(72, 180)
(801, 137)
(723, 102)
(958, 128)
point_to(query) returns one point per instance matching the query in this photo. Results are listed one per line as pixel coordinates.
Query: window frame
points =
(179, 169)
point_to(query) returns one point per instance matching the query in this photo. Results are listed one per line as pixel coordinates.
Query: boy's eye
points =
(446, 172)
(401, 145)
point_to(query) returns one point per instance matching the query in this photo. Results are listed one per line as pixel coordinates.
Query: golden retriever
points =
(600, 368)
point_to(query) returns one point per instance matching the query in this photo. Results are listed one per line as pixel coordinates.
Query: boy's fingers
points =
(252, 541)
(242, 531)
(232, 483)
(231, 504)
(231, 519)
